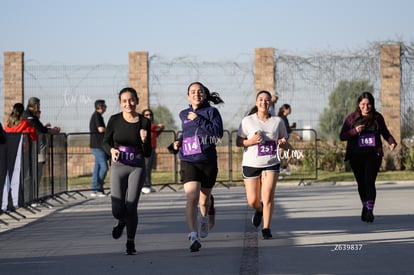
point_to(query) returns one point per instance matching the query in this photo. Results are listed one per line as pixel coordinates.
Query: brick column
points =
(264, 69)
(138, 77)
(391, 99)
(13, 80)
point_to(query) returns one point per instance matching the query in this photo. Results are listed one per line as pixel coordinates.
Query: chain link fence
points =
(67, 93)
(306, 82)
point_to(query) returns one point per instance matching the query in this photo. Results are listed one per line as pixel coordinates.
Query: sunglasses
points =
(148, 114)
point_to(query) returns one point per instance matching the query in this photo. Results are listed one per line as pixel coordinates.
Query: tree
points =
(342, 101)
(163, 115)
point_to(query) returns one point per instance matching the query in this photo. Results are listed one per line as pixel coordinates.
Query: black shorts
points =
(254, 172)
(206, 173)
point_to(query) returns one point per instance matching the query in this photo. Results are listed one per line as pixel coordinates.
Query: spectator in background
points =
(283, 113)
(273, 101)
(17, 124)
(151, 161)
(32, 114)
(97, 131)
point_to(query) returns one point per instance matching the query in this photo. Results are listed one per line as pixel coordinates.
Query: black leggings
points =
(126, 184)
(365, 167)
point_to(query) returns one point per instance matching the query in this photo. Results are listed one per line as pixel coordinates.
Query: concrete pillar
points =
(391, 99)
(264, 69)
(139, 77)
(13, 81)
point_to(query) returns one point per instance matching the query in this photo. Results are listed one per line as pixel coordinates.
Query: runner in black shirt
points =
(127, 140)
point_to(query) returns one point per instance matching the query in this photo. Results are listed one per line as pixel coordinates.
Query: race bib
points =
(366, 140)
(128, 155)
(191, 146)
(268, 148)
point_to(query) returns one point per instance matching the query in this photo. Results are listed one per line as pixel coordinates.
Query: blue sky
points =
(87, 32)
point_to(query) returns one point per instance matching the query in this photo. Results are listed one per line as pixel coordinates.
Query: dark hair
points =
(130, 90)
(370, 98)
(372, 115)
(254, 109)
(283, 108)
(100, 103)
(147, 110)
(211, 97)
(15, 115)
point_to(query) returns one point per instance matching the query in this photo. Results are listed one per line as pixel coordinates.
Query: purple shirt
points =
(352, 137)
(205, 131)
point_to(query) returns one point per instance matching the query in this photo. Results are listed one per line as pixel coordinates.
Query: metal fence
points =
(303, 160)
(36, 180)
(407, 95)
(306, 82)
(69, 164)
(67, 93)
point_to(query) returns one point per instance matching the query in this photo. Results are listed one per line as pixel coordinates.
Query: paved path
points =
(316, 228)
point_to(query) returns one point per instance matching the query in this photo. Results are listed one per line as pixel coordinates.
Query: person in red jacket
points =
(17, 124)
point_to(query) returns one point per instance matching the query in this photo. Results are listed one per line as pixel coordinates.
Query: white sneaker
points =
(203, 226)
(146, 190)
(101, 194)
(195, 244)
(93, 194)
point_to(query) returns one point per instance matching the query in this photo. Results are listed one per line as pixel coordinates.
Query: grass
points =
(167, 177)
(349, 176)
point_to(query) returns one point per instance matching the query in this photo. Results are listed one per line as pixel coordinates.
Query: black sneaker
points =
(212, 209)
(257, 217)
(364, 214)
(266, 233)
(117, 230)
(130, 248)
(369, 217)
(211, 213)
